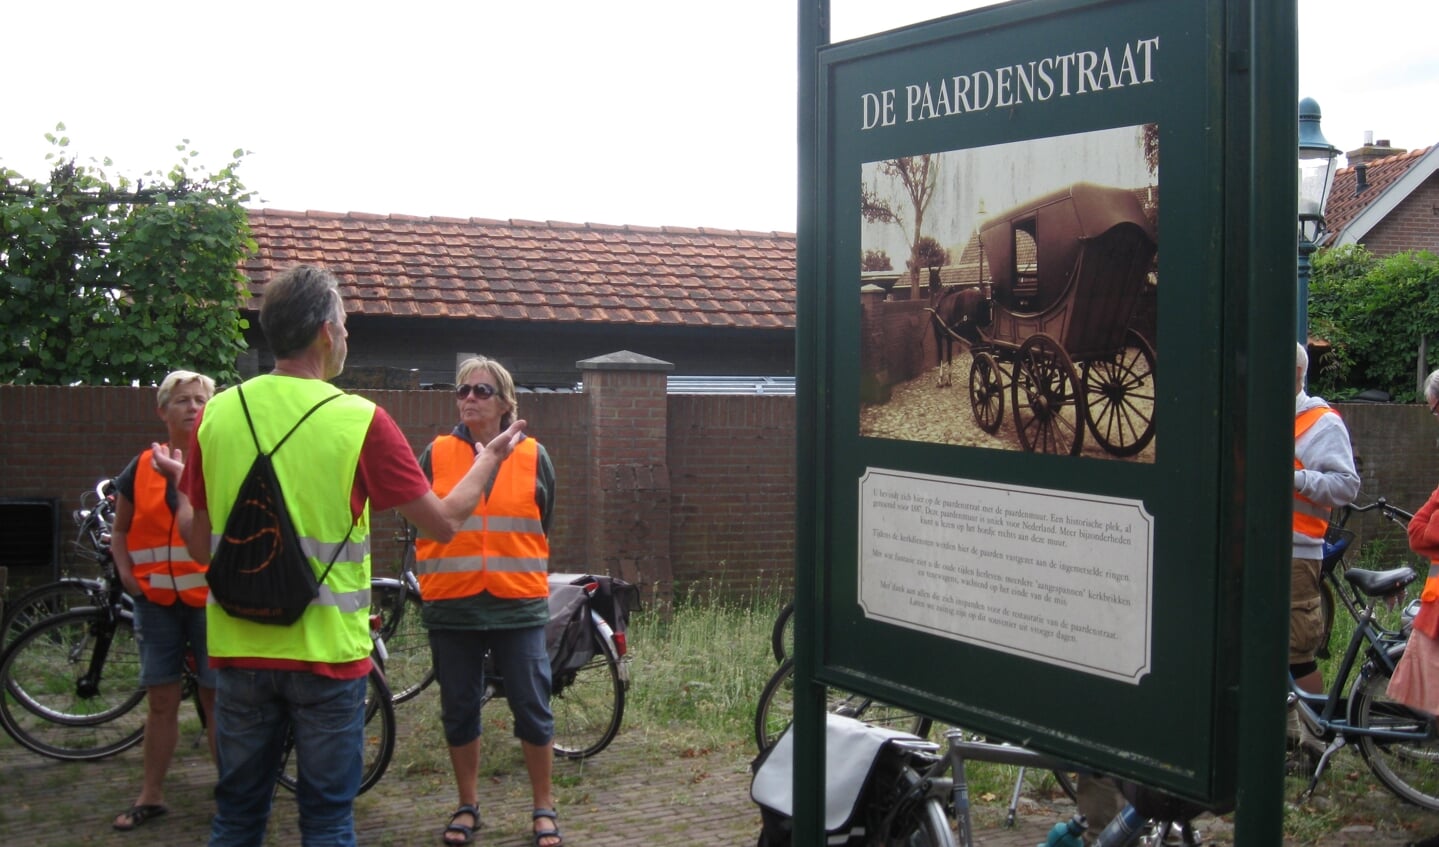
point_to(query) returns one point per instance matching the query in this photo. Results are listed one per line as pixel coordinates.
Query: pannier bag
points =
(259, 571)
(568, 633)
(853, 752)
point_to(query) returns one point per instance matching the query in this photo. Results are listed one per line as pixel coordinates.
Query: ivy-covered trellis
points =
(118, 283)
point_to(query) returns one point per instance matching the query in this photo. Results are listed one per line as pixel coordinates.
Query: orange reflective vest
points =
(162, 564)
(502, 547)
(1310, 518)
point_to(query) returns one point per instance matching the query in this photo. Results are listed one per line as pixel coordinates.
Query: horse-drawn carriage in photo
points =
(1050, 321)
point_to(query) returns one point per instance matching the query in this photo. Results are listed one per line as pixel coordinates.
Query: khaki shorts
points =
(1306, 613)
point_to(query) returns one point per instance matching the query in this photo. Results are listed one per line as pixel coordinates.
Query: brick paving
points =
(635, 792)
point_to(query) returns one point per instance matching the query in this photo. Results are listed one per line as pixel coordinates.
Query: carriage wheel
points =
(1120, 391)
(986, 392)
(1049, 408)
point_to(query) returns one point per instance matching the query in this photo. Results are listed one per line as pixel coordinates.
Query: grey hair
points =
(1301, 361)
(296, 304)
(1431, 387)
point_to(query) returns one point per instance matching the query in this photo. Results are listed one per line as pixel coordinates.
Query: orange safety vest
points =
(1310, 518)
(502, 547)
(162, 564)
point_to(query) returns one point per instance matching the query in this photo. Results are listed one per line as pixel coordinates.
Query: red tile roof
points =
(535, 271)
(1344, 205)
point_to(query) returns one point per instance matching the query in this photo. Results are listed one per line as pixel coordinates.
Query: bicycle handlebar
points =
(1387, 509)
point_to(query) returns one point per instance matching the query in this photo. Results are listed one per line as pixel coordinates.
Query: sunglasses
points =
(483, 390)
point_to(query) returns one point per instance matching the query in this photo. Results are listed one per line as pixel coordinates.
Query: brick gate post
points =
(629, 489)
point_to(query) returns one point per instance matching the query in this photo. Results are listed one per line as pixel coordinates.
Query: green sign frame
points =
(1090, 599)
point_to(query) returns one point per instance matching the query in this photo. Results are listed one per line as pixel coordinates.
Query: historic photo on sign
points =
(1009, 295)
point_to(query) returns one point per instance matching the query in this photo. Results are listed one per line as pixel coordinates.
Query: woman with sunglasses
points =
(488, 589)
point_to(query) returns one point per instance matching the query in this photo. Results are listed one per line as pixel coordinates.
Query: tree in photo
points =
(109, 282)
(918, 176)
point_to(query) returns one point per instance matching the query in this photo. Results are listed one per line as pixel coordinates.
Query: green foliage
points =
(107, 283)
(876, 260)
(1374, 311)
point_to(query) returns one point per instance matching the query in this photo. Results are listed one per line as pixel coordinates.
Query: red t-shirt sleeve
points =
(388, 474)
(192, 480)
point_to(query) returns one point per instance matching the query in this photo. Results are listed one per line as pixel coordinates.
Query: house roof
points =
(1350, 214)
(535, 270)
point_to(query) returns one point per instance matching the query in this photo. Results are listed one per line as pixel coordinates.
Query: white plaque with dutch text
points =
(1055, 576)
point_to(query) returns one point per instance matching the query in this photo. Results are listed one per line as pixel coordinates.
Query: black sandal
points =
(138, 814)
(467, 833)
(541, 835)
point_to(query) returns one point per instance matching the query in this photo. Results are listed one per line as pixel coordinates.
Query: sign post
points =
(1044, 252)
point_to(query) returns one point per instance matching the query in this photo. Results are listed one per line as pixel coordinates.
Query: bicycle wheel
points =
(55, 704)
(781, 638)
(775, 710)
(379, 737)
(588, 704)
(926, 827)
(47, 601)
(409, 668)
(1408, 764)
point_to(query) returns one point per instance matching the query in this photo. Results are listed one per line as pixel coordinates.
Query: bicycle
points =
(897, 788)
(1337, 544)
(72, 682)
(781, 637)
(775, 710)
(771, 717)
(1400, 745)
(409, 668)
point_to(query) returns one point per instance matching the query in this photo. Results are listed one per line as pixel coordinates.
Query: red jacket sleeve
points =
(1424, 529)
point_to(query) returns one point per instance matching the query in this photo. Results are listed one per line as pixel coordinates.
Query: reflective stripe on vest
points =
(316, 470)
(162, 563)
(501, 548)
(1310, 518)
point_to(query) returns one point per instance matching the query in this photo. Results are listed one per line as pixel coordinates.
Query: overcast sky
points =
(650, 112)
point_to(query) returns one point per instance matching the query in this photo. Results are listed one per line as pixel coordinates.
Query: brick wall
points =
(732, 482)
(1397, 451)
(727, 466)
(60, 441)
(1413, 225)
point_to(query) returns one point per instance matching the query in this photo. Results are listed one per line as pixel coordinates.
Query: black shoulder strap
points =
(246, 408)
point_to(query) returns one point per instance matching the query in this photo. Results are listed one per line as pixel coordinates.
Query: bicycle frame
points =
(1332, 717)
(1335, 564)
(930, 781)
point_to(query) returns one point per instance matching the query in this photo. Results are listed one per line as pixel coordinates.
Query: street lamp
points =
(1316, 178)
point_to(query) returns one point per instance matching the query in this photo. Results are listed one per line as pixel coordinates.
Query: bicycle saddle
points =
(1381, 583)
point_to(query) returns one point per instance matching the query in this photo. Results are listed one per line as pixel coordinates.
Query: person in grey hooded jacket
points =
(1324, 479)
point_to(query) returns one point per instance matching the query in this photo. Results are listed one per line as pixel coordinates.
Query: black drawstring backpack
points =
(259, 571)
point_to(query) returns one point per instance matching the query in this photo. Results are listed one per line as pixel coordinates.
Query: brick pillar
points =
(629, 488)
(874, 379)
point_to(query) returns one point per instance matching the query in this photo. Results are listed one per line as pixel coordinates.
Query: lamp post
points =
(1316, 178)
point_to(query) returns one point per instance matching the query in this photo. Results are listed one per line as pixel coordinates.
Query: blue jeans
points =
(164, 633)
(253, 712)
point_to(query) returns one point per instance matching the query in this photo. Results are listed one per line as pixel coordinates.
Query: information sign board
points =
(1031, 296)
